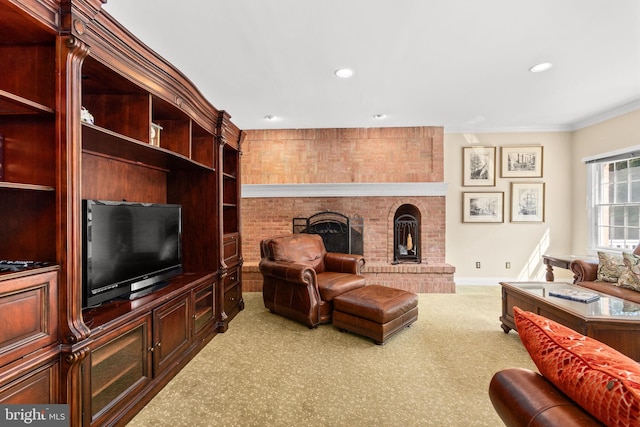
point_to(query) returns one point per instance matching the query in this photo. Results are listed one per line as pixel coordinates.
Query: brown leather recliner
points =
(300, 278)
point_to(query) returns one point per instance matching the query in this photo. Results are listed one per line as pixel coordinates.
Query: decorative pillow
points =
(601, 380)
(610, 267)
(630, 277)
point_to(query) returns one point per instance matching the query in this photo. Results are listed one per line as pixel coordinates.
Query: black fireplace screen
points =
(339, 232)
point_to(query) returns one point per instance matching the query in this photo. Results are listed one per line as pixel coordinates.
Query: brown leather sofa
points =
(585, 273)
(523, 398)
(301, 279)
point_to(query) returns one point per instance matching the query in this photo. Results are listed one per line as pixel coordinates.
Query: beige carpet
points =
(269, 371)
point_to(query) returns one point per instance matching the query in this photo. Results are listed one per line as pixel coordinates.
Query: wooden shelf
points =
(229, 175)
(103, 316)
(123, 372)
(12, 104)
(112, 144)
(203, 307)
(21, 186)
(27, 75)
(115, 347)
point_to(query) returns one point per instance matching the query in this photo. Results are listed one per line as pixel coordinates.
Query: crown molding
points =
(570, 127)
(606, 115)
(507, 129)
(384, 189)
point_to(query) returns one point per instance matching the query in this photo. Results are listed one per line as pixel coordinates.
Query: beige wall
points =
(565, 228)
(521, 244)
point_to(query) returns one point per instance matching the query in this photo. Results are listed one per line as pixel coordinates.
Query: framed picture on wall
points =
(521, 161)
(483, 206)
(478, 166)
(527, 202)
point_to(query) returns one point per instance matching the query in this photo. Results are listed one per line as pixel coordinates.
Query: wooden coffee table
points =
(611, 320)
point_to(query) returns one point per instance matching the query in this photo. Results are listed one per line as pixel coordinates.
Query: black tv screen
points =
(129, 248)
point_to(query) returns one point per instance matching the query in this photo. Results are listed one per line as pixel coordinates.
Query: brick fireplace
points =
(373, 174)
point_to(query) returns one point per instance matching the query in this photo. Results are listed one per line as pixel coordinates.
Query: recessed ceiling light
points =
(270, 118)
(379, 116)
(543, 66)
(344, 73)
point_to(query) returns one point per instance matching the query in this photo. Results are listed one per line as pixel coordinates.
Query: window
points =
(615, 202)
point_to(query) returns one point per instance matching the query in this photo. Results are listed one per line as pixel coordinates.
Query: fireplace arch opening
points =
(406, 235)
(339, 232)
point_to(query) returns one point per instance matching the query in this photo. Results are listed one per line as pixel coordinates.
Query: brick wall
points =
(413, 154)
(344, 156)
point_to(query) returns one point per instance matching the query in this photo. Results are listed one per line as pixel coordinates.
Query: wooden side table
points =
(560, 261)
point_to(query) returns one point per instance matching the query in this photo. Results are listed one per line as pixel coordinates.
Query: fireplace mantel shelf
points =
(349, 189)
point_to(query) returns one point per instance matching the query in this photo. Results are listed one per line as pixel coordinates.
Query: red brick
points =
(371, 155)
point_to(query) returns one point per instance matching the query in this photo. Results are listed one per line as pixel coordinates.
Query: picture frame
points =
(527, 202)
(478, 166)
(478, 207)
(521, 161)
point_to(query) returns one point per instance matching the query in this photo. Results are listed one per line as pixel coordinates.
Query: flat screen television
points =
(130, 249)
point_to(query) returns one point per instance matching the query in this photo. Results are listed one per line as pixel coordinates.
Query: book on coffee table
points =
(575, 295)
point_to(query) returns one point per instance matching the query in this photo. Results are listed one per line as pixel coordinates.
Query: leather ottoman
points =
(375, 311)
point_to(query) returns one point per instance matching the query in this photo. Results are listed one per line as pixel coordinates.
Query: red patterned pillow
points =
(601, 380)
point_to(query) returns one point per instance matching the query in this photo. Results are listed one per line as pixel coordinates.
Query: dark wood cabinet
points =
(230, 141)
(29, 368)
(153, 139)
(231, 248)
(28, 322)
(119, 366)
(27, 139)
(171, 332)
(138, 344)
(233, 301)
(203, 303)
(29, 186)
(32, 381)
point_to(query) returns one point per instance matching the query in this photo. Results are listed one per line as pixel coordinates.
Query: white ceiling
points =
(461, 64)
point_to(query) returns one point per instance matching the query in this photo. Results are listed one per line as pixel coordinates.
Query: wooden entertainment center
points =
(105, 362)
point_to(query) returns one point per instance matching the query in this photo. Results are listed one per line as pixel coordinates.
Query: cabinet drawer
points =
(231, 248)
(37, 386)
(232, 299)
(231, 279)
(28, 314)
